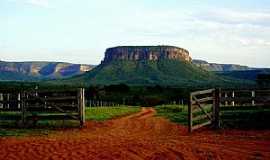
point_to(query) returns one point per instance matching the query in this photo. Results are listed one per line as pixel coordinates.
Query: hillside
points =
(245, 74)
(29, 71)
(167, 69)
(163, 72)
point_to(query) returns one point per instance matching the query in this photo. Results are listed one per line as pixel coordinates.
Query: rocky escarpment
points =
(137, 53)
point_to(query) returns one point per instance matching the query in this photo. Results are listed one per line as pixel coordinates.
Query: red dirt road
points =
(138, 137)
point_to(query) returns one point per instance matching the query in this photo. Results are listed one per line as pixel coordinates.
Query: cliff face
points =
(137, 53)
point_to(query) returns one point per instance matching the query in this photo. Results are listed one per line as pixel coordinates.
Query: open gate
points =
(203, 109)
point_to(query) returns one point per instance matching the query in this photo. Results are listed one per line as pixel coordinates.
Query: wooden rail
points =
(41, 104)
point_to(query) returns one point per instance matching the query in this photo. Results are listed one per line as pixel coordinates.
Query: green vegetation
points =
(45, 127)
(105, 113)
(149, 73)
(175, 113)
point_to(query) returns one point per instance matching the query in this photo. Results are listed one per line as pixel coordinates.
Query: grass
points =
(45, 127)
(175, 113)
(105, 113)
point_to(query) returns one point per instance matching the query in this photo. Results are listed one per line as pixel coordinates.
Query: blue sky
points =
(79, 31)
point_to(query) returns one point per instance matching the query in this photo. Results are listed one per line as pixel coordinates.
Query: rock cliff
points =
(137, 53)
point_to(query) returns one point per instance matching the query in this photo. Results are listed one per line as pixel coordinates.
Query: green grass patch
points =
(175, 113)
(105, 113)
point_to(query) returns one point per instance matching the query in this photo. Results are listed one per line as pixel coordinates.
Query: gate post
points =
(190, 114)
(22, 101)
(216, 108)
(81, 105)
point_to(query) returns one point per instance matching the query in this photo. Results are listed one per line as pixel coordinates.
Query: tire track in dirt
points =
(138, 136)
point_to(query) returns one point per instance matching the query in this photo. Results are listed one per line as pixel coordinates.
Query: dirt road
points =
(138, 137)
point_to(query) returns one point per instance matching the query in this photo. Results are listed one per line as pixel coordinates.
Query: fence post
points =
(226, 96)
(253, 96)
(233, 95)
(217, 107)
(2, 100)
(190, 114)
(19, 100)
(8, 102)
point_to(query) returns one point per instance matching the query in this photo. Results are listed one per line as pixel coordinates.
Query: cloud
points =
(235, 17)
(254, 42)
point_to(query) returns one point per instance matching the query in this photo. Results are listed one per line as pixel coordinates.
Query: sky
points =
(79, 31)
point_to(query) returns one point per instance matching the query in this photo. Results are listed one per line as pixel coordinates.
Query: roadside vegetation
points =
(175, 113)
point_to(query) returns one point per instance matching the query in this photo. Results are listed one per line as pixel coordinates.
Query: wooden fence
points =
(25, 106)
(205, 106)
(246, 99)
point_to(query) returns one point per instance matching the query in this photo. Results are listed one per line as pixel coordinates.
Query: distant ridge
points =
(219, 67)
(39, 70)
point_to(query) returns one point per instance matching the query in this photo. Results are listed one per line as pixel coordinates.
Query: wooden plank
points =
(201, 125)
(196, 109)
(66, 90)
(10, 117)
(245, 90)
(52, 109)
(202, 100)
(201, 117)
(54, 117)
(9, 109)
(66, 98)
(202, 92)
(256, 107)
(244, 99)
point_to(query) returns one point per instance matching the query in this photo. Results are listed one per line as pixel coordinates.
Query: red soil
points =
(139, 136)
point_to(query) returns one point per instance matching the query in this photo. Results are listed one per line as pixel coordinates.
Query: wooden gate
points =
(23, 105)
(203, 109)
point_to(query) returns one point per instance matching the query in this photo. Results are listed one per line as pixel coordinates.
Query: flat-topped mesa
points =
(136, 53)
